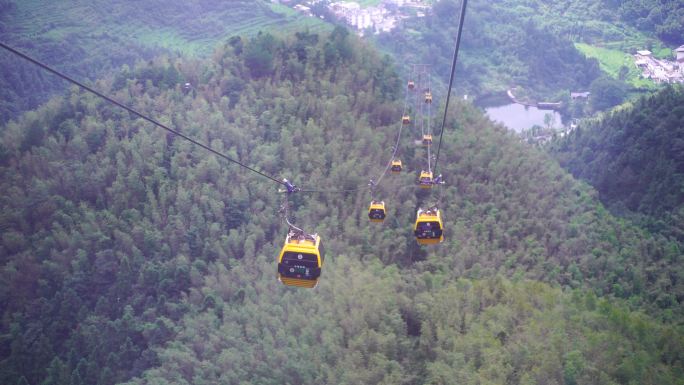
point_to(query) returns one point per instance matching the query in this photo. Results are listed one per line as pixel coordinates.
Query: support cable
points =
(135, 112)
(396, 144)
(451, 78)
(429, 132)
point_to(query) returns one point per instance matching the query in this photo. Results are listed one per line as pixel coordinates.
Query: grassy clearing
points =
(612, 60)
(369, 3)
(284, 10)
(638, 41)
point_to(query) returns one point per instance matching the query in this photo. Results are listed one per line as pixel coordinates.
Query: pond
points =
(518, 117)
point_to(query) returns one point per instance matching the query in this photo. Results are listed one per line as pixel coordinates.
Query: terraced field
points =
(88, 38)
(187, 26)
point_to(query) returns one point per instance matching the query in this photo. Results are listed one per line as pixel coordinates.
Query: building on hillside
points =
(579, 95)
(346, 11)
(640, 62)
(382, 17)
(378, 18)
(303, 9)
(680, 54)
(658, 70)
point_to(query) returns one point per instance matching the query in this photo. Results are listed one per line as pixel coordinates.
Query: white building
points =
(680, 54)
(363, 20)
(659, 70)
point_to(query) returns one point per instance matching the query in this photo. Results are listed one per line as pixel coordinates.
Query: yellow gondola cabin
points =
(376, 211)
(428, 97)
(301, 260)
(427, 140)
(411, 85)
(425, 179)
(396, 166)
(406, 119)
(429, 228)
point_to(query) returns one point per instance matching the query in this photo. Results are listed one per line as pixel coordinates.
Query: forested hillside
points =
(90, 39)
(664, 17)
(529, 44)
(525, 43)
(634, 157)
(504, 45)
(129, 255)
(604, 21)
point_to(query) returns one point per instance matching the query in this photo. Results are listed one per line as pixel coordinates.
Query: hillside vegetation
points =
(634, 157)
(88, 39)
(617, 64)
(129, 255)
(375, 325)
(529, 44)
(524, 43)
(503, 46)
(623, 22)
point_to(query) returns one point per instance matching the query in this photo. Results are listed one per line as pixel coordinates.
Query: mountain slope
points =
(635, 159)
(529, 43)
(101, 242)
(367, 325)
(89, 39)
(130, 255)
(504, 45)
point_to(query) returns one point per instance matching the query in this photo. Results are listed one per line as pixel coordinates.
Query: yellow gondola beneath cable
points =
(405, 119)
(428, 97)
(425, 179)
(396, 166)
(301, 260)
(411, 85)
(427, 140)
(429, 228)
(376, 211)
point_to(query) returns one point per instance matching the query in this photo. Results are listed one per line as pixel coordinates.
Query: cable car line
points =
(429, 134)
(177, 133)
(429, 226)
(330, 191)
(428, 128)
(451, 78)
(301, 258)
(161, 125)
(135, 112)
(300, 261)
(396, 144)
(418, 106)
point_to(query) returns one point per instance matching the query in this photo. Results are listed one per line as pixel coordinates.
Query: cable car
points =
(411, 85)
(427, 140)
(428, 97)
(301, 260)
(429, 227)
(376, 211)
(396, 166)
(425, 179)
(406, 119)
